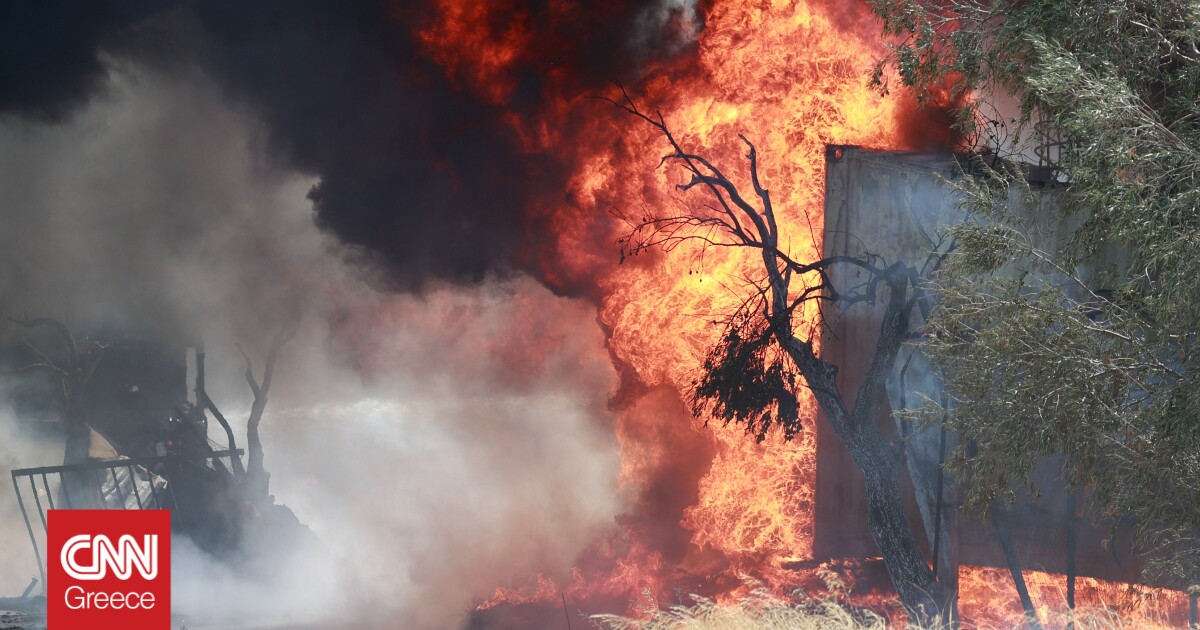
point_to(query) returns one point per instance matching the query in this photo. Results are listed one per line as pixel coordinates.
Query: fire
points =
(464, 26)
(792, 78)
(789, 77)
(707, 504)
(988, 598)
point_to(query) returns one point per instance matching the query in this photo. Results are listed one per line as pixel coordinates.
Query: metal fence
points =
(120, 484)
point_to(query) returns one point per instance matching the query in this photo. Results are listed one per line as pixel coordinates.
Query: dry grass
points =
(760, 610)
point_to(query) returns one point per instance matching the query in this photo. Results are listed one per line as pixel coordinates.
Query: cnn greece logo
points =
(112, 572)
(122, 557)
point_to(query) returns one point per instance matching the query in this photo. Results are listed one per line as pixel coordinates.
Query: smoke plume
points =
(461, 432)
(414, 166)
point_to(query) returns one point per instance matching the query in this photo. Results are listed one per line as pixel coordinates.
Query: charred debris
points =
(133, 416)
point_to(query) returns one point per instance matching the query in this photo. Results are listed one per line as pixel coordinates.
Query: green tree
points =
(1083, 343)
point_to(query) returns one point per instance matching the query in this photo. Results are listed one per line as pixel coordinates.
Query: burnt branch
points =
(257, 478)
(59, 328)
(249, 374)
(76, 371)
(94, 356)
(72, 375)
(53, 369)
(42, 360)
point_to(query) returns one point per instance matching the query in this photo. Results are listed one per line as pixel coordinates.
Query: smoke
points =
(681, 18)
(50, 52)
(476, 455)
(18, 449)
(416, 167)
(438, 445)
(205, 591)
(148, 212)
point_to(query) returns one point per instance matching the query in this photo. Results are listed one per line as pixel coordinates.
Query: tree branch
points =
(57, 326)
(249, 374)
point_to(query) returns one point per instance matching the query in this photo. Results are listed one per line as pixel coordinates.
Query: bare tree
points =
(257, 479)
(72, 375)
(749, 376)
(205, 402)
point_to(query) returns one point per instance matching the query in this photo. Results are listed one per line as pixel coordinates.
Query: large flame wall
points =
(706, 503)
(792, 78)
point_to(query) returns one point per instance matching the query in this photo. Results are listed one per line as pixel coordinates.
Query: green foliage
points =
(1082, 342)
(746, 380)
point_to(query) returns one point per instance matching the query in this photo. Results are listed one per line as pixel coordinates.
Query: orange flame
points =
(465, 26)
(987, 597)
(791, 77)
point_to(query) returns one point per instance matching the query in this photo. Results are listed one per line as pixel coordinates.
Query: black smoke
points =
(50, 51)
(417, 173)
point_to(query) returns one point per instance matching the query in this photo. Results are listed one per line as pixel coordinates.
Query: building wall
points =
(892, 204)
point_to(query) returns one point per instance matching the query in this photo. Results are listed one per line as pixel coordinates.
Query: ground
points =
(22, 614)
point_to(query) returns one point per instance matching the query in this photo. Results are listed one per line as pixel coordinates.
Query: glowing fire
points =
(791, 79)
(987, 597)
(791, 76)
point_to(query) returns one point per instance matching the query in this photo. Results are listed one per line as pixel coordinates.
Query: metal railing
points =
(122, 484)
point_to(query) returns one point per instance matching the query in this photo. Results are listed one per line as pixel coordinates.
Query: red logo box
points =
(108, 570)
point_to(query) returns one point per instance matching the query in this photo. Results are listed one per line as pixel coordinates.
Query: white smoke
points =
(677, 22)
(438, 445)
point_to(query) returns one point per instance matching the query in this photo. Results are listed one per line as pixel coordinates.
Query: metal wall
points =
(892, 204)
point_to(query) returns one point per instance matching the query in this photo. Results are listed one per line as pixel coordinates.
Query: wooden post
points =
(566, 611)
(1193, 614)
(945, 536)
(1072, 542)
(1014, 565)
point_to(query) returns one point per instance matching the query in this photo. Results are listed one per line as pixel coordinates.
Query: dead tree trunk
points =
(258, 481)
(920, 591)
(922, 594)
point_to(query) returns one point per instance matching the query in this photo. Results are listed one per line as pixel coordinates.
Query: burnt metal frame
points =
(172, 461)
